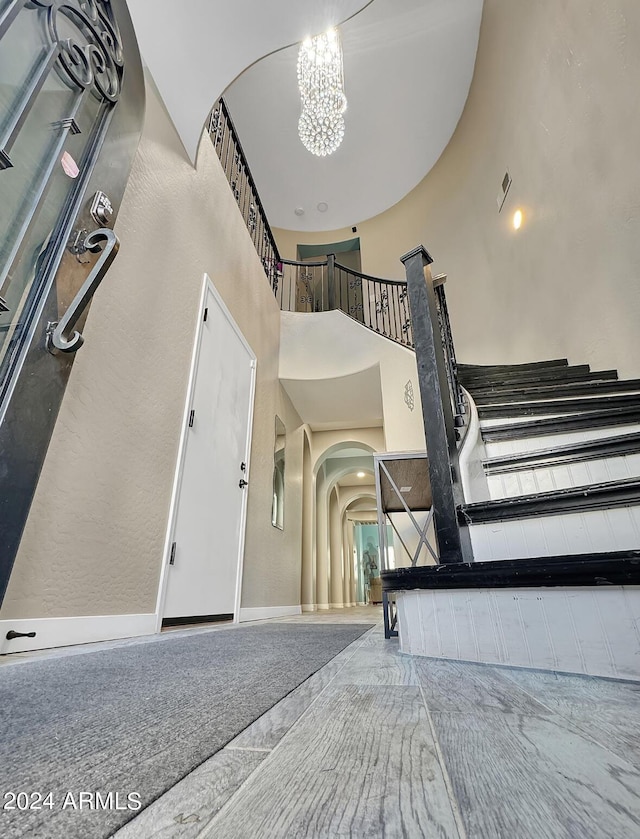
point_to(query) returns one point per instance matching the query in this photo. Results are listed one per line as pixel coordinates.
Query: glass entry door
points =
(70, 119)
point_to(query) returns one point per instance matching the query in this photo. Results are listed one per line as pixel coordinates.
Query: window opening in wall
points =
(347, 253)
(277, 508)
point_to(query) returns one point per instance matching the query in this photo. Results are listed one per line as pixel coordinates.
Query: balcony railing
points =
(321, 286)
(227, 145)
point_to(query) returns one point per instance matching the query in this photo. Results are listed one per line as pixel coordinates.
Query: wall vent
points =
(506, 184)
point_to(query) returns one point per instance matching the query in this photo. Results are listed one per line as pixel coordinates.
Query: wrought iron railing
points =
(458, 403)
(234, 162)
(380, 305)
(321, 286)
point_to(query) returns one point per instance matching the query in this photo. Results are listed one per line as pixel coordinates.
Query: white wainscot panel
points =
(595, 631)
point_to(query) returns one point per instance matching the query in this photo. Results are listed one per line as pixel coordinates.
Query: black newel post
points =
(454, 543)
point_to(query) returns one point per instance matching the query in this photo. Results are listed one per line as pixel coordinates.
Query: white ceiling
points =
(408, 66)
(353, 401)
(195, 48)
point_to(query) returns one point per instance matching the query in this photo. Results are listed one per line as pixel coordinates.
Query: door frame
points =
(207, 285)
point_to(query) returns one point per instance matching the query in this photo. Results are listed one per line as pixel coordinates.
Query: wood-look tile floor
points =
(380, 745)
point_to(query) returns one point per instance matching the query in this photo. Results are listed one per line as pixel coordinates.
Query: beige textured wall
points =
(93, 543)
(554, 101)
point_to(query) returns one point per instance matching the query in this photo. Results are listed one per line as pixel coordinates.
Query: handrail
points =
(317, 286)
(227, 144)
(324, 285)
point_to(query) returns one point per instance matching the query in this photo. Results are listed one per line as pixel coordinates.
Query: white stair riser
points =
(615, 529)
(563, 476)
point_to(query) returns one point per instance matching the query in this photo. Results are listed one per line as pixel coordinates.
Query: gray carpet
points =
(139, 717)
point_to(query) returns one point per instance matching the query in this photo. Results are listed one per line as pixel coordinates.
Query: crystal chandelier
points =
(321, 84)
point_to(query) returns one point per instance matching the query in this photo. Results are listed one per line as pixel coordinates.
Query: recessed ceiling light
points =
(361, 474)
(517, 220)
(299, 211)
(323, 207)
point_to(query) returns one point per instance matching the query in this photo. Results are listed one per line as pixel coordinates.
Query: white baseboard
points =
(63, 632)
(262, 613)
(594, 631)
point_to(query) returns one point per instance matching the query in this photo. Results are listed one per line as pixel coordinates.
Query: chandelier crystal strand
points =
(321, 85)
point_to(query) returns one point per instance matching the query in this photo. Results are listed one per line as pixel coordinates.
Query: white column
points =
(322, 543)
(308, 581)
(346, 562)
(335, 544)
(353, 571)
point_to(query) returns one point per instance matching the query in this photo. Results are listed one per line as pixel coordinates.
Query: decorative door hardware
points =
(242, 483)
(3, 305)
(192, 416)
(101, 208)
(243, 466)
(56, 339)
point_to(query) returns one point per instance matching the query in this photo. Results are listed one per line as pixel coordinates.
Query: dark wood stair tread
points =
(601, 496)
(562, 424)
(593, 569)
(500, 394)
(527, 365)
(579, 404)
(602, 447)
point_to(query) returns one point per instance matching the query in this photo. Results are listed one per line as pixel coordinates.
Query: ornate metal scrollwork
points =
(56, 337)
(253, 218)
(91, 57)
(216, 127)
(383, 304)
(353, 284)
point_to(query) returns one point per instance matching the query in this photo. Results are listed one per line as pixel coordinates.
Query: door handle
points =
(56, 339)
(242, 483)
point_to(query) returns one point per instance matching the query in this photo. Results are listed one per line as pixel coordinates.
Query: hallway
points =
(377, 744)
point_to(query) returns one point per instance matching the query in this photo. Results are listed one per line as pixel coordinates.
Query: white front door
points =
(204, 574)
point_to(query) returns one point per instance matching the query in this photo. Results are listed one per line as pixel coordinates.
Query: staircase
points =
(555, 579)
(539, 562)
(561, 448)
